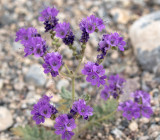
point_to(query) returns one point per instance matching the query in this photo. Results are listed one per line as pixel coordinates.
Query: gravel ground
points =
(22, 81)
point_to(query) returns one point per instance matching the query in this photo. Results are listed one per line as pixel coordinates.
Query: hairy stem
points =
(68, 70)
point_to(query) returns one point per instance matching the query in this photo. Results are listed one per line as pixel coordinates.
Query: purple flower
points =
(142, 97)
(64, 126)
(67, 135)
(102, 80)
(62, 118)
(88, 68)
(38, 118)
(48, 16)
(82, 109)
(53, 62)
(60, 128)
(89, 25)
(121, 44)
(62, 29)
(32, 41)
(93, 78)
(95, 73)
(114, 87)
(39, 46)
(69, 39)
(48, 13)
(140, 106)
(84, 36)
(43, 110)
(113, 40)
(24, 35)
(128, 113)
(146, 111)
(98, 69)
(105, 93)
(70, 124)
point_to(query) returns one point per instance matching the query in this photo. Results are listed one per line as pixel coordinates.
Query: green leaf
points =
(104, 109)
(65, 94)
(34, 133)
(86, 97)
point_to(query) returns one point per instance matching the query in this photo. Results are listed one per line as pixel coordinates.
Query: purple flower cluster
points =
(80, 107)
(140, 106)
(112, 40)
(48, 16)
(64, 126)
(114, 87)
(64, 31)
(53, 62)
(43, 109)
(32, 41)
(95, 73)
(89, 25)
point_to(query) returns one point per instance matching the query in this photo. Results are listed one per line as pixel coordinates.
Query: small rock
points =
(6, 118)
(110, 137)
(153, 128)
(99, 134)
(62, 83)
(144, 120)
(158, 138)
(48, 122)
(32, 98)
(88, 137)
(35, 75)
(120, 15)
(17, 46)
(118, 133)
(1, 83)
(156, 2)
(145, 40)
(133, 126)
(155, 134)
(144, 138)
(24, 106)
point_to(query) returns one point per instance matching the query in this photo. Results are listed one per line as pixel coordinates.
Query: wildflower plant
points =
(66, 121)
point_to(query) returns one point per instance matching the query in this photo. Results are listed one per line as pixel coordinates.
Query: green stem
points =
(78, 66)
(73, 88)
(64, 74)
(67, 68)
(83, 46)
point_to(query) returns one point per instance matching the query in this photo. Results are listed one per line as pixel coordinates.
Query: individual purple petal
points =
(38, 118)
(99, 70)
(46, 111)
(67, 135)
(128, 113)
(59, 128)
(105, 93)
(88, 68)
(53, 61)
(146, 111)
(70, 124)
(62, 29)
(90, 27)
(93, 78)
